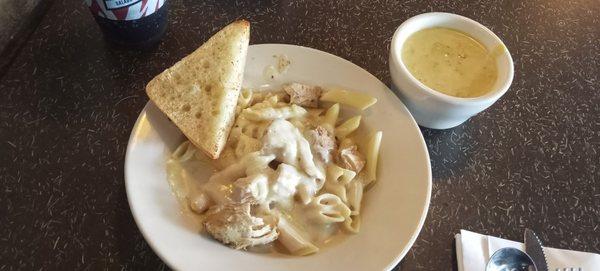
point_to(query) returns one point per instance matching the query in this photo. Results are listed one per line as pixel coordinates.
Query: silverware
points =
(533, 247)
(510, 259)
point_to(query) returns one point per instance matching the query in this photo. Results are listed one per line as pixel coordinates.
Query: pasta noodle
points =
(246, 145)
(352, 223)
(372, 153)
(244, 100)
(347, 127)
(328, 208)
(291, 238)
(355, 193)
(269, 101)
(184, 152)
(263, 114)
(355, 99)
(331, 117)
(280, 95)
(250, 128)
(336, 180)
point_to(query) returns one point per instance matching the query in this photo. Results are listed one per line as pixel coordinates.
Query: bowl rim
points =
(395, 53)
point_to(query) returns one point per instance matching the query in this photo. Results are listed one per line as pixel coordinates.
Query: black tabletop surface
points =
(69, 100)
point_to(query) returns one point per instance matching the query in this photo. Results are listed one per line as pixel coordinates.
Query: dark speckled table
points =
(69, 101)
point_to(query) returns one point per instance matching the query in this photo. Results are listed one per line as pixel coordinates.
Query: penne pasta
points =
(372, 153)
(246, 145)
(336, 181)
(184, 152)
(355, 99)
(328, 208)
(271, 113)
(331, 117)
(339, 174)
(244, 100)
(292, 239)
(355, 193)
(260, 96)
(352, 223)
(253, 129)
(347, 127)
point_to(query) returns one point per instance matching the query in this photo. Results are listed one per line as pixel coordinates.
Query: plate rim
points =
(413, 123)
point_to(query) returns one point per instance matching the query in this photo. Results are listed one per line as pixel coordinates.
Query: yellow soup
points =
(450, 62)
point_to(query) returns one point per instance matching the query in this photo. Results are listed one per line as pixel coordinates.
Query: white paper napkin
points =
(473, 251)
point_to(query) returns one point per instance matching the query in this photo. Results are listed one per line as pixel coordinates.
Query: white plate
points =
(394, 209)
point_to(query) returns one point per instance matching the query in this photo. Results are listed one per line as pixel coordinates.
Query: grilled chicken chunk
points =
(232, 224)
(303, 95)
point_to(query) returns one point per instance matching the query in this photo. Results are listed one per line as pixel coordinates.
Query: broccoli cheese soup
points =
(451, 62)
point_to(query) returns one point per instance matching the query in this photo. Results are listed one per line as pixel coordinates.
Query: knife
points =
(533, 247)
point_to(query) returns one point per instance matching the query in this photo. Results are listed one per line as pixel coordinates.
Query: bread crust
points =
(199, 93)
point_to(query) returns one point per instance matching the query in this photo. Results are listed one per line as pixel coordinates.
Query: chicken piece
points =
(232, 224)
(349, 158)
(303, 95)
(322, 143)
(252, 189)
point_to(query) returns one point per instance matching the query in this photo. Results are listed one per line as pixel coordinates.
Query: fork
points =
(569, 269)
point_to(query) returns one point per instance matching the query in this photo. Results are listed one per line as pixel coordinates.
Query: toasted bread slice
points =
(200, 92)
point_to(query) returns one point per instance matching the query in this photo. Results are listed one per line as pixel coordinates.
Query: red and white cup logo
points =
(124, 9)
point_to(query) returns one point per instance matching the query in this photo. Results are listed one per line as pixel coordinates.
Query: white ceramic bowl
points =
(434, 109)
